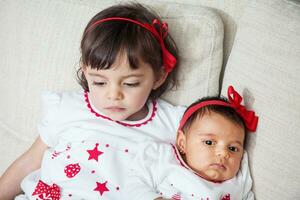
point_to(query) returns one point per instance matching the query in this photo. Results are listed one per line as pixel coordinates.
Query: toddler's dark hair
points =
(225, 111)
(101, 45)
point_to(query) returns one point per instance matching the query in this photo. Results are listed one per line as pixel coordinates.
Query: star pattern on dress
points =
(101, 187)
(94, 153)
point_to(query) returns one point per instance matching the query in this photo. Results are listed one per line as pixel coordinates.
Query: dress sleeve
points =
(141, 183)
(247, 180)
(48, 125)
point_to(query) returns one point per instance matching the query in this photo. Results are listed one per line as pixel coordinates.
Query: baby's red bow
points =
(249, 117)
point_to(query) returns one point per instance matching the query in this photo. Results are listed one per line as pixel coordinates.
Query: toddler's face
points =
(121, 92)
(213, 147)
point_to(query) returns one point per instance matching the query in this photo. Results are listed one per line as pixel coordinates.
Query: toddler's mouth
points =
(115, 108)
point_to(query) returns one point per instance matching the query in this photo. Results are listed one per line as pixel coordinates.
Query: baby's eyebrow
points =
(206, 134)
(238, 142)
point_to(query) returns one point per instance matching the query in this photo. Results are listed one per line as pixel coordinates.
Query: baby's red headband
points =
(235, 100)
(169, 60)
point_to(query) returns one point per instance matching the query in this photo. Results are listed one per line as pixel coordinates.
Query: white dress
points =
(158, 168)
(89, 155)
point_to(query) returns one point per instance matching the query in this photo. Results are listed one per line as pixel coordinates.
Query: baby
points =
(208, 161)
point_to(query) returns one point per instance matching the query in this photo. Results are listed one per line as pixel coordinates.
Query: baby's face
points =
(213, 147)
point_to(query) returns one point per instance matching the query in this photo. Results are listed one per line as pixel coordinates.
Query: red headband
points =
(169, 60)
(235, 100)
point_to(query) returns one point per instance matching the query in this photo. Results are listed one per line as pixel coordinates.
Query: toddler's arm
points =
(141, 183)
(31, 160)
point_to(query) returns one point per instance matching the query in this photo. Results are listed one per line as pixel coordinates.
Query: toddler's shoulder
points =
(63, 97)
(168, 107)
(55, 104)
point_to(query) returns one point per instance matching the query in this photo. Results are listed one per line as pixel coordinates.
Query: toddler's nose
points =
(114, 93)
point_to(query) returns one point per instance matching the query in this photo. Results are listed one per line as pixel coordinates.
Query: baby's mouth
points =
(218, 166)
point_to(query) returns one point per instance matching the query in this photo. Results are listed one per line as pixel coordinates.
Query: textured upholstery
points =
(264, 66)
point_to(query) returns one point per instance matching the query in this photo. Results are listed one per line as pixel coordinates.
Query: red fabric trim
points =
(154, 109)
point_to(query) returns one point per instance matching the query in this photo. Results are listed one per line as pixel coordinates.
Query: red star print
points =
(101, 187)
(94, 153)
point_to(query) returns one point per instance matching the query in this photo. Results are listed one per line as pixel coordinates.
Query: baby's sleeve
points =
(48, 125)
(247, 180)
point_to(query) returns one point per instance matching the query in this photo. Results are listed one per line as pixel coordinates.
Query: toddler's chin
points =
(116, 117)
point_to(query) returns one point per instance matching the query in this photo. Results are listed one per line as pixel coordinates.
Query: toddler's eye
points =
(132, 84)
(99, 83)
(208, 142)
(233, 149)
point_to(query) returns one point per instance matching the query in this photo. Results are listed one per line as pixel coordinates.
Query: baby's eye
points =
(132, 84)
(233, 149)
(208, 142)
(99, 83)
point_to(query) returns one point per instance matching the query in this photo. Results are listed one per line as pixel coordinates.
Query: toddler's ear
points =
(160, 79)
(83, 68)
(181, 141)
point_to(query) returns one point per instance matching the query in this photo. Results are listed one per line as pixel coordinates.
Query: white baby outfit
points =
(89, 154)
(158, 167)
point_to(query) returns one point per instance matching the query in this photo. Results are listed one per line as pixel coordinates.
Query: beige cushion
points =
(40, 50)
(198, 32)
(264, 67)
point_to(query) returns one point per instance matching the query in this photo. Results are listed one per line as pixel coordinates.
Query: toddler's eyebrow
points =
(133, 75)
(123, 77)
(94, 74)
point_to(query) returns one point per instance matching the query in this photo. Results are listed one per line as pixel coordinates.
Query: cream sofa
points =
(253, 45)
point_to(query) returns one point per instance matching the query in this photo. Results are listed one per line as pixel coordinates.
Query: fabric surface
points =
(40, 51)
(199, 33)
(264, 67)
(89, 155)
(158, 167)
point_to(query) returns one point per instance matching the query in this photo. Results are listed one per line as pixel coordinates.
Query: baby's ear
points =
(181, 141)
(160, 79)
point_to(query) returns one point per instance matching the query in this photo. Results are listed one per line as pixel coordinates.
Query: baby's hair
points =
(225, 111)
(101, 45)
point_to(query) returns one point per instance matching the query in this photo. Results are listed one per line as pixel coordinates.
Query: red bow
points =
(47, 192)
(169, 61)
(248, 116)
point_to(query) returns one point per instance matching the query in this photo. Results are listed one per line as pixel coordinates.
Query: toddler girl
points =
(208, 161)
(86, 138)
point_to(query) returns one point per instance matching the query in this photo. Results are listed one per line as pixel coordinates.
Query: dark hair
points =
(101, 45)
(225, 111)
